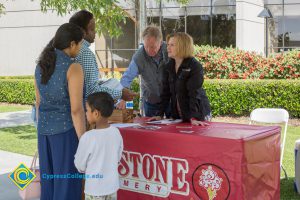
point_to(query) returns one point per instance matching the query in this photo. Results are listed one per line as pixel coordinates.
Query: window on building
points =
(199, 25)
(209, 22)
(269, 2)
(197, 3)
(173, 20)
(153, 17)
(223, 26)
(283, 31)
(292, 31)
(275, 29)
(291, 2)
(223, 2)
(117, 52)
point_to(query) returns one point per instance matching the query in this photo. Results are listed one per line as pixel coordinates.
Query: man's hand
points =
(121, 105)
(128, 95)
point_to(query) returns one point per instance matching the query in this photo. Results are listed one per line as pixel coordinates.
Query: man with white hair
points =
(148, 62)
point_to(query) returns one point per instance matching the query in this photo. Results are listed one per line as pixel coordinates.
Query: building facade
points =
(25, 30)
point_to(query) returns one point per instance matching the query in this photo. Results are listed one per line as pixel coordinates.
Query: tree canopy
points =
(1, 8)
(107, 13)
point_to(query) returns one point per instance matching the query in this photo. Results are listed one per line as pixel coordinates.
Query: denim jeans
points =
(208, 117)
(152, 110)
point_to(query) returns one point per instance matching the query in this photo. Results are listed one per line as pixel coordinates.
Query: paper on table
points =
(124, 125)
(149, 127)
(165, 121)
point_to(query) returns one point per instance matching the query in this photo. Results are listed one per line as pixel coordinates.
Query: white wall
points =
(24, 32)
(250, 34)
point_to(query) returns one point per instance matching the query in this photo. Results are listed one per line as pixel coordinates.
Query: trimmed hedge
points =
(17, 77)
(17, 91)
(240, 97)
(227, 97)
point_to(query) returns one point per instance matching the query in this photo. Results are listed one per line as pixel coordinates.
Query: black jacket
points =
(186, 86)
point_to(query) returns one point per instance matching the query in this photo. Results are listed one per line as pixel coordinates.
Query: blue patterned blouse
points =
(55, 109)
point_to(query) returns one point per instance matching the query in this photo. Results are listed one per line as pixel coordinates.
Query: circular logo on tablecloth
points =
(210, 182)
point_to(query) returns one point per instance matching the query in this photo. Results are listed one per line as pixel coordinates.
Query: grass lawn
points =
(13, 107)
(287, 186)
(23, 140)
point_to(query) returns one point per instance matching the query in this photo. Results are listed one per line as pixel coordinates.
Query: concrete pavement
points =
(10, 119)
(8, 162)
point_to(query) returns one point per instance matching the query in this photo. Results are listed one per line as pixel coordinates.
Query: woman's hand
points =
(155, 118)
(198, 123)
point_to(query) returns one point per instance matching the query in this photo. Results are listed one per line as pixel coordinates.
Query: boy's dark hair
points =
(82, 18)
(102, 102)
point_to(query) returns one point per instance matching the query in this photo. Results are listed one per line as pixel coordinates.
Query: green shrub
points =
(16, 77)
(17, 91)
(227, 97)
(240, 97)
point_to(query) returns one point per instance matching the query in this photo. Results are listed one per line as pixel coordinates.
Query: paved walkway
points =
(10, 119)
(9, 161)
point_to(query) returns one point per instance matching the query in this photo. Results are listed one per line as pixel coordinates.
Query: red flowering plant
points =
(284, 65)
(231, 63)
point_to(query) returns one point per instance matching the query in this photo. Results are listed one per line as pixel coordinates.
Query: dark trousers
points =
(56, 156)
(152, 110)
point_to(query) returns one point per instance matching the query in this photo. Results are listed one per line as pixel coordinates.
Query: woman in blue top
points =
(60, 113)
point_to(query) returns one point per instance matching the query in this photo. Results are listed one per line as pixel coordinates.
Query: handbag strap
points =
(33, 163)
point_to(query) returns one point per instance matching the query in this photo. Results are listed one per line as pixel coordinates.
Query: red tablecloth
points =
(217, 162)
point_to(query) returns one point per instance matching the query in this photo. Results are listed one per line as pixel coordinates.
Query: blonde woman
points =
(182, 82)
